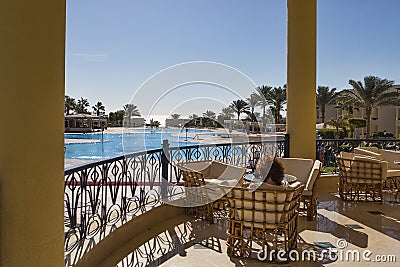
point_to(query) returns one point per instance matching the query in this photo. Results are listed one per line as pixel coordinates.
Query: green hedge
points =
(382, 135)
(330, 133)
(358, 122)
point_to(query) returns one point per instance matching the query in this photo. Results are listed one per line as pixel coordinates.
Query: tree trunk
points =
(323, 114)
(368, 113)
(264, 120)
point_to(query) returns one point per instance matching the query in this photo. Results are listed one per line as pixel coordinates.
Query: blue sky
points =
(113, 47)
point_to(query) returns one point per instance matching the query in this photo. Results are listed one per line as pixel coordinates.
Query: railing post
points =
(286, 151)
(165, 159)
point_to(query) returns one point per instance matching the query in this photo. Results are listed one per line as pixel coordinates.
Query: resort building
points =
(257, 126)
(134, 122)
(175, 122)
(384, 118)
(84, 123)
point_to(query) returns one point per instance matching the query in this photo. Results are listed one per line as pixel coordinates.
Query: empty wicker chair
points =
(361, 178)
(309, 196)
(307, 171)
(392, 157)
(197, 201)
(263, 218)
(203, 180)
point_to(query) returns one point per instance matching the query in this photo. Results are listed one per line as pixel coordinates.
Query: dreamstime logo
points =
(341, 253)
(197, 87)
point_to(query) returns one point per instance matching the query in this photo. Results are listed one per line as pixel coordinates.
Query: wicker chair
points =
(309, 196)
(206, 184)
(361, 178)
(392, 157)
(263, 218)
(197, 201)
(307, 171)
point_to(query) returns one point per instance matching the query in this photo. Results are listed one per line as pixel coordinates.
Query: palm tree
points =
(131, 110)
(324, 98)
(82, 105)
(98, 108)
(227, 112)
(239, 106)
(116, 118)
(175, 116)
(373, 93)
(263, 92)
(278, 99)
(340, 122)
(253, 101)
(209, 114)
(69, 104)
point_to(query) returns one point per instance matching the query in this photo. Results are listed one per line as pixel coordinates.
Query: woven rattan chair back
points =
(262, 218)
(361, 179)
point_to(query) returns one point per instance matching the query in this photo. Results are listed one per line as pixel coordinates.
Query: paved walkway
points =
(74, 162)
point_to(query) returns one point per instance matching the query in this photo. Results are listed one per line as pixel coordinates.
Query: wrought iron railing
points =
(327, 148)
(101, 196)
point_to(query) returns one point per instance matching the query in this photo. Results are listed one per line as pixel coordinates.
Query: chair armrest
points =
(199, 166)
(391, 157)
(315, 172)
(232, 172)
(223, 171)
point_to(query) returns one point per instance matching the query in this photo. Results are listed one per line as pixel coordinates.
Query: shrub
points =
(330, 133)
(327, 169)
(358, 122)
(375, 145)
(389, 135)
(382, 135)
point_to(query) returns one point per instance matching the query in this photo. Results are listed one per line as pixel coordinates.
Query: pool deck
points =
(74, 162)
(69, 141)
(213, 136)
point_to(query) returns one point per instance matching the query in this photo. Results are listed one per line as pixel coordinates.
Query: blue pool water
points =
(119, 144)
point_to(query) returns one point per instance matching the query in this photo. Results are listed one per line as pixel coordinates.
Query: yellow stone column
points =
(301, 77)
(32, 56)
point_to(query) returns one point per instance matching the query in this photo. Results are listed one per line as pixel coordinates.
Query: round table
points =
(286, 177)
(290, 178)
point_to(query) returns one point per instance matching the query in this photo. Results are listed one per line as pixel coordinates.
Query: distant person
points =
(253, 162)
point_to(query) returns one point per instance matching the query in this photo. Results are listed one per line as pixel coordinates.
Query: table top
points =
(290, 178)
(249, 176)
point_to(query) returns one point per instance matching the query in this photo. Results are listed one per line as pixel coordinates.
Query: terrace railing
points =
(327, 148)
(101, 196)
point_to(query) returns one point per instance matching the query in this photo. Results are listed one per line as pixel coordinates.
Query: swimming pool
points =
(116, 144)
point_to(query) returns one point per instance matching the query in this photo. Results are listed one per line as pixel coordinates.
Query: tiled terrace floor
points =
(365, 226)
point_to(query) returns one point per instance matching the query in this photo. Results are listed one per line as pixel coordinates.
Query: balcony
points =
(365, 226)
(118, 212)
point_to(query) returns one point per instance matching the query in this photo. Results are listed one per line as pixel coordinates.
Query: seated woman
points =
(270, 170)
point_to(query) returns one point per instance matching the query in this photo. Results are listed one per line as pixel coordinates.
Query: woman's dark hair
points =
(273, 166)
